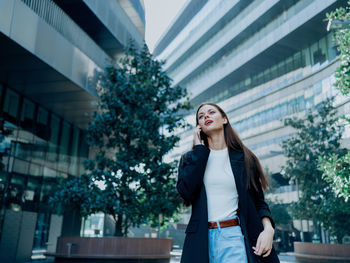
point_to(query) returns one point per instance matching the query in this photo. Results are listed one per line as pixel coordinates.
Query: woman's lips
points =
(207, 123)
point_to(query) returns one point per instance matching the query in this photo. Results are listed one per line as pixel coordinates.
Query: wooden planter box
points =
(313, 252)
(108, 248)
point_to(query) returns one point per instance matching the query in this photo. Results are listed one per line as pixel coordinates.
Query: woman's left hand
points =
(264, 244)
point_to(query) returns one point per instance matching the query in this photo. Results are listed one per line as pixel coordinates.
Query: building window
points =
(41, 231)
(11, 105)
(15, 192)
(333, 51)
(22, 150)
(42, 129)
(64, 147)
(289, 64)
(83, 151)
(319, 57)
(297, 59)
(35, 169)
(31, 196)
(27, 114)
(54, 132)
(20, 166)
(73, 168)
(281, 68)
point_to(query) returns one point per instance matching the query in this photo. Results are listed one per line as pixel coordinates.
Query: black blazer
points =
(251, 206)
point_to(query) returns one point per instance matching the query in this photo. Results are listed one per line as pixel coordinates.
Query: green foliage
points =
(317, 135)
(342, 38)
(281, 215)
(133, 129)
(336, 168)
(336, 171)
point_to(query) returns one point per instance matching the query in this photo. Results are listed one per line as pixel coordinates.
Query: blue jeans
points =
(226, 245)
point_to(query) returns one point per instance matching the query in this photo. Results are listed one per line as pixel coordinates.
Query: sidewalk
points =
(284, 258)
(177, 256)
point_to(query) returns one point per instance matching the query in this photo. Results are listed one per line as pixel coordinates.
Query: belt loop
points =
(218, 223)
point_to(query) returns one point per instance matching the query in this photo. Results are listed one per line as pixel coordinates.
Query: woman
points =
(223, 181)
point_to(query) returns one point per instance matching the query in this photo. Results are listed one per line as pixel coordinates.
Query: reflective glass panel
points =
(42, 128)
(11, 105)
(27, 114)
(64, 146)
(54, 132)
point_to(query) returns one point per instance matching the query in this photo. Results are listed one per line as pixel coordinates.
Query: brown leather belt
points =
(225, 223)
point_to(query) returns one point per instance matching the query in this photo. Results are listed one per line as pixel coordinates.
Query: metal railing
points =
(58, 19)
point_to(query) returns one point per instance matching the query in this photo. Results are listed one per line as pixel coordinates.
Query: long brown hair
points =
(252, 163)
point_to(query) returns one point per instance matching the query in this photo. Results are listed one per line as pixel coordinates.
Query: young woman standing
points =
(223, 181)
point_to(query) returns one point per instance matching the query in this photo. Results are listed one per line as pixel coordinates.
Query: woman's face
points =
(210, 119)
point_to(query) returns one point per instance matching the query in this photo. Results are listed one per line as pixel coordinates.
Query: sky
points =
(159, 14)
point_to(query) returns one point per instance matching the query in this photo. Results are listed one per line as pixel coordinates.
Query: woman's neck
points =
(217, 141)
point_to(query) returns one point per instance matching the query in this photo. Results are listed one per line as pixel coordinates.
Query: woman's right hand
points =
(196, 136)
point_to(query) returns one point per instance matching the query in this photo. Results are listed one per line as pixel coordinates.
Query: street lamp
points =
(338, 24)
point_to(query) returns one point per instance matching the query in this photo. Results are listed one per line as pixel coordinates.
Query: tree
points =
(342, 39)
(317, 135)
(336, 168)
(138, 112)
(279, 210)
(280, 213)
(336, 171)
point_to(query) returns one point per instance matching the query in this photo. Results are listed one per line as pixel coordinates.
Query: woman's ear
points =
(225, 120)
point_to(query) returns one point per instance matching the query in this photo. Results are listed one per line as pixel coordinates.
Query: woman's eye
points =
(212, 112)
(200, 117)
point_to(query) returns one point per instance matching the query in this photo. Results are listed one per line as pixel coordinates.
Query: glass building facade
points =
(50, 54)
(318, 53)
(41, 148)
(208, 58)
(261, 61)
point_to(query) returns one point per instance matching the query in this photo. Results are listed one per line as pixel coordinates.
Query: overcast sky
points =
(159, 14)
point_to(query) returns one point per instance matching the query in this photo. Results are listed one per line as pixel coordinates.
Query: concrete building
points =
(261, 61)
(49, 53)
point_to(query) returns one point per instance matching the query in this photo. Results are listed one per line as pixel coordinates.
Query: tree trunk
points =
(339, 238)
(118, 232)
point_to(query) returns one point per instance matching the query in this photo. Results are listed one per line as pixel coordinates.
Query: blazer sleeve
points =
(191, 172)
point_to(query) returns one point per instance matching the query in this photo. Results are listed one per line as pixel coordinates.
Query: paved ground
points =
(283, 258)
(286, 259)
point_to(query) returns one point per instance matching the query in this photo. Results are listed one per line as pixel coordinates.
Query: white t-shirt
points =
(220, 186)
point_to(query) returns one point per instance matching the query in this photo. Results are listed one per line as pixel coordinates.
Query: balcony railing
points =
(54, 16)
